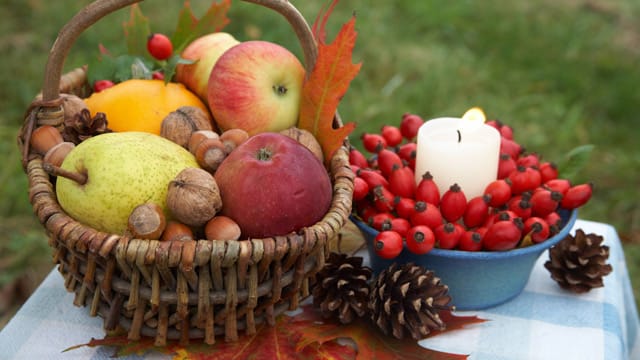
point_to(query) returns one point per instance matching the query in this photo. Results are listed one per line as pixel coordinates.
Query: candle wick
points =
(459, 135)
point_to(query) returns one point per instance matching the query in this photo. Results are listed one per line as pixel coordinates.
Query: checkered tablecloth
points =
(544, 322)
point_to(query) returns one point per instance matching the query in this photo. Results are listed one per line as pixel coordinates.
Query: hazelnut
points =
(44, 138)
(222, 228)
(176, 231)
(232, 138)
(193, 197)
(55, 155)
(147, 221)
(181, 123)
(197, 137)
(210, 153)
(305, 138)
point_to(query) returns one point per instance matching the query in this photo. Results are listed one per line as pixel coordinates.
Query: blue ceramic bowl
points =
(476, 280)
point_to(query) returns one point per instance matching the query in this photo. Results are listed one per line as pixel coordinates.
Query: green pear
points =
(123, 170)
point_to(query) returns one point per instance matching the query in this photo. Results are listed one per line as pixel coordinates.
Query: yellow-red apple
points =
(205, 51)
(272, 185)
(256, 86)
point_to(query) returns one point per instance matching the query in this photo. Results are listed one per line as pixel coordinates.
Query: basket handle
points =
(100, 8)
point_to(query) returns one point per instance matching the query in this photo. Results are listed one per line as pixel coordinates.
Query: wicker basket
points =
(183, 290)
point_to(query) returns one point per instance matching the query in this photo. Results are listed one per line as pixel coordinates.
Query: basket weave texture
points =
(182, 290)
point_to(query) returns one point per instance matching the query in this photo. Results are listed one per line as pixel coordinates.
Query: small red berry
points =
(407, 152)
(502, 235)
(360, 188)
(357, 158)
(506, 131)
(420, 239)
(470, 240)
(388, 244)
(555, 222)
(537, 229)
(499, 192)
(366, 212)
(372, 177)
(577, 196)
(426, 214)
(400, 225)
(373, 143)
(377, 220)
(510, 147)
(559, 185)
(453, 203)
(520, 205)
(448, 235)
(387, 159)
(544, 201)
(524, 179)
(506, 165)
(409, 125)
(159, 46)
(402, 182)
(477, 211)
(528, 160)
(100, 85)
(548, 171)
(404, 207)
(382, 198)
(157, 75)
(391, 134)
(427, 190)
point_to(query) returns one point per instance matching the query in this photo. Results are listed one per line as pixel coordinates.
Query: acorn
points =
(55, 155)
(222, 228)
(193, 197)
(147, 221)
(178, 125)
(305, 138)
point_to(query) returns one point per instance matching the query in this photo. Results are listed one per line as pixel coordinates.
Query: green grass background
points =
(563, 73)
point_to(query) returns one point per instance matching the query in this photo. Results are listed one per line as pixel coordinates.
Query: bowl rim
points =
(461, 254)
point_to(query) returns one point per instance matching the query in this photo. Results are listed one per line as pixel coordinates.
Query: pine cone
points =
(579, 263)
(342, 288)
(82, 126)
(408, 298)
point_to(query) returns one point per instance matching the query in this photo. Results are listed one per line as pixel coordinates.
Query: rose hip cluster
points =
(520, 208)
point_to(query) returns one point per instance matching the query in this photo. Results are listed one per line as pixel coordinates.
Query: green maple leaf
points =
(190, 27)
(136, 32)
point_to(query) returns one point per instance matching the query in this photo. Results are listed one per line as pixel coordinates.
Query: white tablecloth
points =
(544, 322)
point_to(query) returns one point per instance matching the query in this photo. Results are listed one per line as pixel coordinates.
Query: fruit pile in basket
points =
(200, 139)
(521, 207)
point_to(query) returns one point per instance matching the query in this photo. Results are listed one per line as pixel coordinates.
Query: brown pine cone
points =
(408, 298)
(578, 263)
(342, 288)
(82, 126)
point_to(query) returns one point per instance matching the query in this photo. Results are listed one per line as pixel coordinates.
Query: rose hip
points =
(426, 214)
(502, 235)
(537, 229)
(159, 46)
(470, 240)
(577, 196)
(392, 135)
(407, 152)
(544, 201)
(548, 171)
(506, 131)
(382, 198)
(427, 190)
(524, 179)
(388, 244)
(499, 192)
(528, 160)
(360, 188)
(373, 178)
(409, 125)
(554, 221)
(420, 239)
(510, 147)
(453, 203)
(101, 85)
(373, 143)
(477, 211)
(402, 182)
(387, 159)
(559, 185)
(521, 206)
(404, 207)
(506, 165)
(357, 158)
(448, 235)
(400, 225)
(376, 221)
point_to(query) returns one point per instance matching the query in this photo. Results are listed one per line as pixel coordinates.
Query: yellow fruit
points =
(141, 105)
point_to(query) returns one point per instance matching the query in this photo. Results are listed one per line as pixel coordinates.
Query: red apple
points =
(205, 51)
(256, 86)
(272, 185)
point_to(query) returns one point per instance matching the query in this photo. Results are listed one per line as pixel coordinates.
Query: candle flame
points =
(475, 114)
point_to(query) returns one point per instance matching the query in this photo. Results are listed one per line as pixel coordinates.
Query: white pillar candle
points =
(458, 151)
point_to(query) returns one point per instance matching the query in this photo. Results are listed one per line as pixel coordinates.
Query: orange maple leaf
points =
(326, 85)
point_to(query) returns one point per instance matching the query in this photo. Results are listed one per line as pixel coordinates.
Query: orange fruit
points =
(141, 105)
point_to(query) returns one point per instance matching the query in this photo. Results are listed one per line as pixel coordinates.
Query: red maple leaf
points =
(327, 83)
